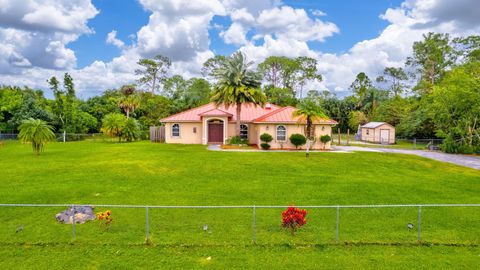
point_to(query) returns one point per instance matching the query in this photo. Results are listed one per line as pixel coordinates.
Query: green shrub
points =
(265, 137)
(131, 131)
(265, 146)
(298, 140)
(236, 140)
(325, 139)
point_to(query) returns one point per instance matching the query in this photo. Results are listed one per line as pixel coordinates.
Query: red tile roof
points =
(249, 113)
(285, 115)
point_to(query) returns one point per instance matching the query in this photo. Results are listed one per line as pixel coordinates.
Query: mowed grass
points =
(145, 173)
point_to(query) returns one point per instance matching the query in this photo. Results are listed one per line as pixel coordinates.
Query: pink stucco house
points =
(211, 124)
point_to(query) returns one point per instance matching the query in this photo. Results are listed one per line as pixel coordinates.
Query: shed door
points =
(384, 136)
(215, 133)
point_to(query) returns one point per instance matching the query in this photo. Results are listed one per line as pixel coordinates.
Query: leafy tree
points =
(395, 78)
(153, 71)
(113, 125)
(456, 105)
(152, 108)
(288, 73)
(236, 85)
(372, 100)
(37, 132)
(279, 71)
(212, 64)
(280, 96)
(360, 88)
(431, 58)
(307, 71)
(65, 106)
(298, 140)
(31, 107)
(392, 111)
(355, 119)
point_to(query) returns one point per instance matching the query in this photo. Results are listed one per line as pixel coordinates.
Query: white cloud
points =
(34, 35)
(235, 34)
(112, 39)
(318, 13)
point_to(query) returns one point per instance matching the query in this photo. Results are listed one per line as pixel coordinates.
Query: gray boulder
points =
(82, 215)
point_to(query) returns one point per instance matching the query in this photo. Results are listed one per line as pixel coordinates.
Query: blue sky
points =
(100, 41)
(357, 20)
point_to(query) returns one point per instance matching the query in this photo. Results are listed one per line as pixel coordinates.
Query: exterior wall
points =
(374, 134)
(252, 139)
(292, 129)
(187, 136)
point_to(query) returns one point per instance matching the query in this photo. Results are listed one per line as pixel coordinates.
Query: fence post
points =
(337, 226)
(254, 225)
(419, 238)
(147, 227)
(74, 231)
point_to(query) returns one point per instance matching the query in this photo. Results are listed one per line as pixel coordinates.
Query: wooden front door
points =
(215, 132)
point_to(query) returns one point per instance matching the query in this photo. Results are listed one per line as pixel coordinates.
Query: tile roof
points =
(250, 113)
(285, 115)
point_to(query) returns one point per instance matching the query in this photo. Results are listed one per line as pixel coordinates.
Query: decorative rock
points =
(82, 215)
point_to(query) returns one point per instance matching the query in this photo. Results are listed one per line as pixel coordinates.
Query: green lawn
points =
(158, 174)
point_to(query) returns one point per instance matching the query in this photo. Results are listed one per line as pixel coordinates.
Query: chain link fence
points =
(450, 224)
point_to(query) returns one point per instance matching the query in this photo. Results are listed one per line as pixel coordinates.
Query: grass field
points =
(158, 174)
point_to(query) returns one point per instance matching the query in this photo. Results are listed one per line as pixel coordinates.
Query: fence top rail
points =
(241, 206)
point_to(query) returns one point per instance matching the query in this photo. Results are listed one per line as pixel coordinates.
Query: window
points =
(175, 130)
(368, 132)
(243, 131)
(281, 133)
(194, 129)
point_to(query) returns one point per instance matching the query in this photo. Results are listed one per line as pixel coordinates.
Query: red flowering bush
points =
(293, 218)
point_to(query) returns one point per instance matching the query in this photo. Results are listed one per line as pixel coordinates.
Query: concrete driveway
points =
(462, 160)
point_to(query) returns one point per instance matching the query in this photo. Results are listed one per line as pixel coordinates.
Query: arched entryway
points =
(215, 131)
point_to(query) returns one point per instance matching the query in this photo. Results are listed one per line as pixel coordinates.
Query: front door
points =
(384, 136)
(215, 132)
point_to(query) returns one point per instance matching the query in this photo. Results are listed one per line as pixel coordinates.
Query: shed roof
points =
(375, 124)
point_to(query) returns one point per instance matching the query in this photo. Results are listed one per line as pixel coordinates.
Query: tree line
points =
(435, 94)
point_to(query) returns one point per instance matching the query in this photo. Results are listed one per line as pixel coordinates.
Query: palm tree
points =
(37, 132)
(237, 84)
(309, 111)
(129, 101)
(113, 124)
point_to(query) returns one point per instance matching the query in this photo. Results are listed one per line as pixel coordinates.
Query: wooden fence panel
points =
(157, 134)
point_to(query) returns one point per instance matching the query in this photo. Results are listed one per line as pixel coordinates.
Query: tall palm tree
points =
(237, 84)
(309, 111)
(37, 132)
